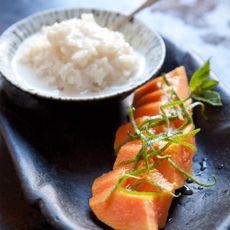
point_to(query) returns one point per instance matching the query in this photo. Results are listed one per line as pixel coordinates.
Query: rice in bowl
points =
(80, 55)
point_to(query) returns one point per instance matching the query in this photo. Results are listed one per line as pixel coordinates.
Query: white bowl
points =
(144, 41)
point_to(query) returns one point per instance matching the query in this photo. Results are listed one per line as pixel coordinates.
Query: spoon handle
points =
(126, 19)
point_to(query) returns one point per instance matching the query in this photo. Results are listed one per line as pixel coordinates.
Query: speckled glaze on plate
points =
(59, 149)
(145, 41)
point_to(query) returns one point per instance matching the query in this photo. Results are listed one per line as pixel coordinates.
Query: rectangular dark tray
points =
(59, 149)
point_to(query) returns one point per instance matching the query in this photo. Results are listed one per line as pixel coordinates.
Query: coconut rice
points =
(80, 54)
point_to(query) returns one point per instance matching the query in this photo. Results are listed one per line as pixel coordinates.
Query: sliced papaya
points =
(176, 77)
(130, 205)
(127, 152)
(148, 98)
(122, 132)
(123, 210)
(107, 180)
(182, 156)
(150, 109)
(161, 202)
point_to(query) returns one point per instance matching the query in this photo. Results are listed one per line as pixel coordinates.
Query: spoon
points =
(126, 19)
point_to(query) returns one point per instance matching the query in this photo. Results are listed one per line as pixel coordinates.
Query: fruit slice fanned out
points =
(176, 77)
(182, 156)
(122, 210)
(141, 201)
(157, 183)
(122, 132)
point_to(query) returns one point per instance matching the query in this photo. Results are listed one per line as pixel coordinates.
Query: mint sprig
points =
(202, 87)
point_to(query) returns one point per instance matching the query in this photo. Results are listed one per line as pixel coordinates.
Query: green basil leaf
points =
(208, 84)
(209, 96)
(199, 76)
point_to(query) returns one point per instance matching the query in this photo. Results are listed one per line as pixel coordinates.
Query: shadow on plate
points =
(59, 149)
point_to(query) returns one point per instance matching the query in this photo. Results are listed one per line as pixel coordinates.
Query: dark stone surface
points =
(15, 212)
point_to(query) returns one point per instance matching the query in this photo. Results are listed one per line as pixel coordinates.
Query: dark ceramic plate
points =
(59, 149)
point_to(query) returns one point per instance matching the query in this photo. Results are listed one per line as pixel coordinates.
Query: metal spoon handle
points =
(126, 19)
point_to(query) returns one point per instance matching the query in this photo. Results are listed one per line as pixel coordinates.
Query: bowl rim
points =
(103, 96)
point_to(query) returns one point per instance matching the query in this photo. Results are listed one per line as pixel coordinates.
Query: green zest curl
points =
(175, 109)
